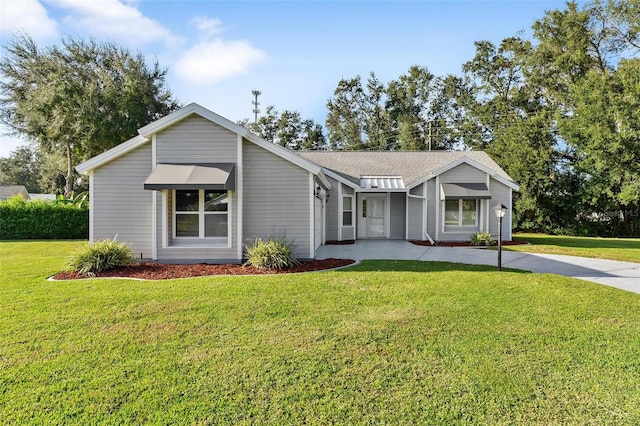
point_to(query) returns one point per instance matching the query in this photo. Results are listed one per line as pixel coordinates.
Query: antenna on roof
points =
(255, 103)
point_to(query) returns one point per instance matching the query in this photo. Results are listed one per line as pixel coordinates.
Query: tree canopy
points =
(80, 98)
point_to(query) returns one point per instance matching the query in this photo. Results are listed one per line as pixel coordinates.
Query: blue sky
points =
(295, 52)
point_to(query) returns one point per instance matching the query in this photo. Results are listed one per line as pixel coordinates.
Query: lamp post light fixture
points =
(501, 211)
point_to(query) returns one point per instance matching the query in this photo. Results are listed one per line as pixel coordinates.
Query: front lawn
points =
(625, 249)
(397, 342)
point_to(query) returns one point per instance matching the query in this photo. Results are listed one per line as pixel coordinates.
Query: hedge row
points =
(38, 219)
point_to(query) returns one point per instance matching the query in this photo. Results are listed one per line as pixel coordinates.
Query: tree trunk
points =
(68, 186)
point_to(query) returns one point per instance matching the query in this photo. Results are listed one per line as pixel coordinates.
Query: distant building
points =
(7, 191)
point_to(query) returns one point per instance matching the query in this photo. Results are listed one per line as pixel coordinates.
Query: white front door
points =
(375, 217)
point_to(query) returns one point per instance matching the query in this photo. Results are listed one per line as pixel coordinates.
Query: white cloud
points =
(208, 27)
(28, 16)
(213, 61)
(116, 20)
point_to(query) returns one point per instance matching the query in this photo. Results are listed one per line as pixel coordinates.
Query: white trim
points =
(91, 208)
(193, 108)
(111, 154)
(460, 225)
(154, 224)
(239, 190)
(209, 242)
(339, 211)
(406, 217)
(341, 179)
(437, 209)
(425, 206)
(165, 218)
(312, 214)
(324, 218)
(487, 205)
(154, 204)
(470, 162)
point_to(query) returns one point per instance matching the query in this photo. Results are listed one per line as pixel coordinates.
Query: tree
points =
(357, 117)
(287, 129)
(22, 167)
(80, 98)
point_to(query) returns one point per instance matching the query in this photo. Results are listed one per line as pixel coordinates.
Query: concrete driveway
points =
(622, 275)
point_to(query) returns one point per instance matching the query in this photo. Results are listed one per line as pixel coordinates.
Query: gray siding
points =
(332, 211)
(463, 173)
(499, 194)
(196, 140)
(276, 199)
(398, 217)
(121, 205)
(416, 207)
(432, 200)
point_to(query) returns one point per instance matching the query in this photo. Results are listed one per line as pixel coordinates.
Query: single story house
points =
(196, 187)
(8, 191)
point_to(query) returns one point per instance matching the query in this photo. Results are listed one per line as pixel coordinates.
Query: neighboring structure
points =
(7, 191)
(196, 187)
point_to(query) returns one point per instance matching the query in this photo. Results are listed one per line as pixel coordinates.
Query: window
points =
(347, 211)
(201, 214)
(461, 212)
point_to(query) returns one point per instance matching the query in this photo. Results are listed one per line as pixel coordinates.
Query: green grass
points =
(397, 342)
(625, 249)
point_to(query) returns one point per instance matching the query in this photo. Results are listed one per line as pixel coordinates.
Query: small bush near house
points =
(482, 239)
(270, 254)
(101, 255)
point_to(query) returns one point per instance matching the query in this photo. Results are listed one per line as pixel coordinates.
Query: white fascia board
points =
(111, 154)
(341, 179)
(472, 163)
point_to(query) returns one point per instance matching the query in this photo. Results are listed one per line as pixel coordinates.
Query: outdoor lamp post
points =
(500, 210)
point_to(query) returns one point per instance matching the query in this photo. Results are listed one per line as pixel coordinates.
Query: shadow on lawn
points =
(581, 242)
(421, 266)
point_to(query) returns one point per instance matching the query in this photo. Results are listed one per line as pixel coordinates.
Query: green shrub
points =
(270, 254)
(482, 239)
(42, 219)
(101, 255)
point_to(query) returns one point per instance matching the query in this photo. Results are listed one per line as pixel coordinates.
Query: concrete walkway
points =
(622, 275)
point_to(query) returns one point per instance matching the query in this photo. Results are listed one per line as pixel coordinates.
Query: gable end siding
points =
(276, 199)
(121, 205)
(196, 140)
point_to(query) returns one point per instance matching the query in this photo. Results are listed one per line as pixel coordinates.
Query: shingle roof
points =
(410, 165)
(7, 191)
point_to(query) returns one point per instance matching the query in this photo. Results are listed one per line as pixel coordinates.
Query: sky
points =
(294, 52)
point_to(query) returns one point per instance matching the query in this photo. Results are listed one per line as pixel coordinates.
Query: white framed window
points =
(347, 211)
(461, 212)
(201, 214)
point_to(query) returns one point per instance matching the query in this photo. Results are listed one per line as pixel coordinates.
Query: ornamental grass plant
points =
(272, 253)
(101, 255)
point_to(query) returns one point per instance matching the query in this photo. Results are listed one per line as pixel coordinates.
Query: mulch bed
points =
(160, 271)
(464, 243)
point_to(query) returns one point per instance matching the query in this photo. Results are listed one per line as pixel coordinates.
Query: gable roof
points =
(146, 132)
(415, 167)
(7, 191)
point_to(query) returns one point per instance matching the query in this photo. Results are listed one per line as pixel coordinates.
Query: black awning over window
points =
(219, 176)
(465, 191)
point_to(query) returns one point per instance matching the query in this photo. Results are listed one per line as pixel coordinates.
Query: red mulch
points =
(159, 271)
(463, 243)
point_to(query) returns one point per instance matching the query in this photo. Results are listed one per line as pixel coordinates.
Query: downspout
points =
(425, 231)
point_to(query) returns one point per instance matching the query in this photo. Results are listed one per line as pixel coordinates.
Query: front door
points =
(375, 217)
